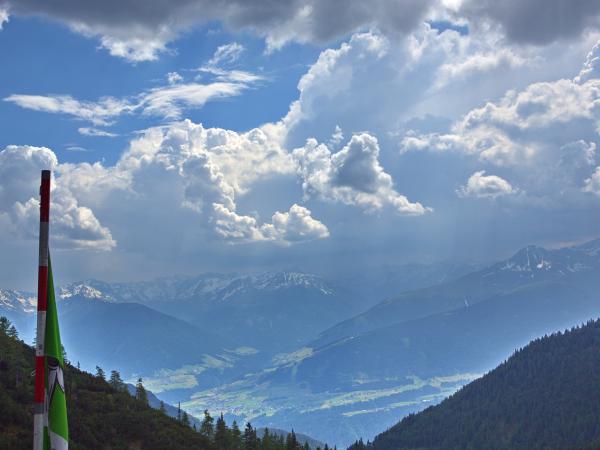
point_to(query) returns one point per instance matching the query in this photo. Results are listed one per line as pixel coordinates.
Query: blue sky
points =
(46, 57)
(329, 137)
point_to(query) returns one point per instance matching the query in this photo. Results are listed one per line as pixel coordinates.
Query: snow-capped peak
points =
(83, 290)
(18, 300)
(534, 261)
(529, 259)
(281, 280)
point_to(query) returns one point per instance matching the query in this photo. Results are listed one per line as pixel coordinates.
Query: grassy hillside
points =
(100, 417)
(546, 395)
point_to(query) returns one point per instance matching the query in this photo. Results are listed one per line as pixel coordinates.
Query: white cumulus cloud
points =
(592, 184)
(73, 225)
(352, 176)
(3, 17)
(203, 170)
(480, 185)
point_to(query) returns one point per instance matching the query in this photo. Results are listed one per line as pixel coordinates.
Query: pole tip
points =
(45, 174)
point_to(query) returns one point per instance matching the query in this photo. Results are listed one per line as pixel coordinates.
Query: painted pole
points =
(42, 302)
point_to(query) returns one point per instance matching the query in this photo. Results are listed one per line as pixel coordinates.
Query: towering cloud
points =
(352, 176)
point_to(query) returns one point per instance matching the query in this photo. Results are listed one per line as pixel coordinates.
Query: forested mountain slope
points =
(546, 395)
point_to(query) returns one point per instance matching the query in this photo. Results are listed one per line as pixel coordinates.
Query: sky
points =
(331, 137)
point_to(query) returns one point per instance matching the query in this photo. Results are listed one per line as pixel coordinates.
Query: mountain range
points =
(413, 350)
(220, 325)
(293, 350)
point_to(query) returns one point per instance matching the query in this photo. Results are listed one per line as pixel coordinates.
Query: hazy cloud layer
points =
(536, 21)
(166, 101)
(140, 30)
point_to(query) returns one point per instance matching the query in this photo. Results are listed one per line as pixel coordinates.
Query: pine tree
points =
(185, 419)
(236, 436)
(207, 428)
(267, 440)
(162, 408)
(12, 332)
(140, 392)
(115, 380)
(178, 411)
(291, 443)
(250, 439)
(100, 373)
(358, 445)
(4, 325)
(64, 354)
(221, 433)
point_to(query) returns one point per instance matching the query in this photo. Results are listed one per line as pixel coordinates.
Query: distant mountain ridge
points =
(576, 264)
(208, 287)
(534, 261)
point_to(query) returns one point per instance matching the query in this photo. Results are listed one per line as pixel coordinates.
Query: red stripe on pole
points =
(38, 394)
(42, 304)
(45, 197)
(39, 391)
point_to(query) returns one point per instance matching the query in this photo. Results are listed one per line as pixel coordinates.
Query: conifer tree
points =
(100, 373)
(163, 409)
(236, 436)
(267, 440)
(291, 443)
(250, 439)
(64, 354)
(4, 325)
(140, 392)
(185, 419)
(221, 432)
(207, 428)
(12, 332)
(115, 380)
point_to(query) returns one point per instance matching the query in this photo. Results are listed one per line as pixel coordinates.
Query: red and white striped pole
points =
(42, 303)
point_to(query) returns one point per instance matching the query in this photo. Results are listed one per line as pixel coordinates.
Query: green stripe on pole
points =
(57, 434)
